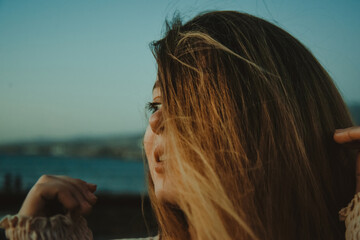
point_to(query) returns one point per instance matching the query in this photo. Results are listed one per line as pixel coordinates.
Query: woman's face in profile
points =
(154, 144)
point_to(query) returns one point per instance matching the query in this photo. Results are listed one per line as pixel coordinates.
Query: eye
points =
(153, 107)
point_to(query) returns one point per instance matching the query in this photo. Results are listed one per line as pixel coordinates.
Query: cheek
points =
(164, 190)
(149, 147)
(148, 142)
(161, 184)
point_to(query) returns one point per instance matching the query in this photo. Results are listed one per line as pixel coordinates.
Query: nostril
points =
(159, 169)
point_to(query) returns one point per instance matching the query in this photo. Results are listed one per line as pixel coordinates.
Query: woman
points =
(240, 140)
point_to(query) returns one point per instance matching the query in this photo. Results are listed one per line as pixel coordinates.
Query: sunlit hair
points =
(249, 115)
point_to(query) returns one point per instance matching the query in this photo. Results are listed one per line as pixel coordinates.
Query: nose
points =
(155, 122)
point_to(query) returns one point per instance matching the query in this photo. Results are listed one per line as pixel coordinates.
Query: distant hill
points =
(128, 147)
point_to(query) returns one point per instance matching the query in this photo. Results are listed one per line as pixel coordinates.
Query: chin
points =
(159, 193)
(162, 196)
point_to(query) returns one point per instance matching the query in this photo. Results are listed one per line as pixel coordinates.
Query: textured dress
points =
(64, 227)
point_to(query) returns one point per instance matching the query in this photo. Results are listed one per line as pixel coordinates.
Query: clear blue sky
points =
(83, 68)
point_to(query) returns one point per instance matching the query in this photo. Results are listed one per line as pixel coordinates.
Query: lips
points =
(158, 154)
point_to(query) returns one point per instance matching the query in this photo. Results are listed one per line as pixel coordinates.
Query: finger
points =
(67, 199)
(66, 189)
(84, 205)
(347, 135)
(92, 187)
(83, 188)
(73, 200)
(45, 178)
(72, 193)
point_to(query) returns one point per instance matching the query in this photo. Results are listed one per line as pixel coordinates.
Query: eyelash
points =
(153, 107)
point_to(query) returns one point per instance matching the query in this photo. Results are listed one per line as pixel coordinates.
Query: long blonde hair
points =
(249, 115)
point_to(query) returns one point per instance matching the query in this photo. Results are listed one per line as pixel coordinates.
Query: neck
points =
(192, 232)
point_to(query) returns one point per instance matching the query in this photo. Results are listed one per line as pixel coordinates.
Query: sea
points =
(112, 176)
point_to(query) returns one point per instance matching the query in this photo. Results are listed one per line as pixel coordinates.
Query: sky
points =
(79, 68)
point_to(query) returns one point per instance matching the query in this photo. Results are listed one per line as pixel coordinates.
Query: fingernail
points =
(91, 195)
(86, 204)
(92, 186)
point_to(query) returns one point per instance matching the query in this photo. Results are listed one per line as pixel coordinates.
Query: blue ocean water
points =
(111, 175)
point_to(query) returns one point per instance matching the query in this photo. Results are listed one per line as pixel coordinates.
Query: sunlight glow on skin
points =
(154, 142)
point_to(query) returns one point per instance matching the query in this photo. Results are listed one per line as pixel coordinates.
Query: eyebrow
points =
(157, 84)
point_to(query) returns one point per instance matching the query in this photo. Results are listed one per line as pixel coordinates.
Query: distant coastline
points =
(121, 147)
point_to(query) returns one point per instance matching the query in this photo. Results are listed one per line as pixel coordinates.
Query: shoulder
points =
(351, 216)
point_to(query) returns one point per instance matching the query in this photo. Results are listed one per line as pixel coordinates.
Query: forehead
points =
(156, 85)
(156, 92)
(156, 89)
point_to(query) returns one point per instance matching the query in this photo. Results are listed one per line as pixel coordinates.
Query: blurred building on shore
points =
(123, 147)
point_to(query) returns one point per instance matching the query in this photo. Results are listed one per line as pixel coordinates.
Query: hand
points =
(53, 195)
(350, 137)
